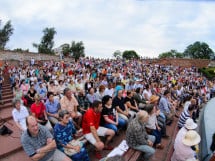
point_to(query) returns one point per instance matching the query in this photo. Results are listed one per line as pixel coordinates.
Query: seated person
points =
(38, 143)
(110, 117)
(92, 130)
(82, 101)
(38, 110)
(152, 125)
(63, 132)
(137, 137)
(131, 104)
(19, 113)
(52, 108)
(185, 115)
(118, 104)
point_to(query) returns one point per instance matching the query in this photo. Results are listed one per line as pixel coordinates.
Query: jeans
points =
(157, 135)
(121, 123)
(146, 149)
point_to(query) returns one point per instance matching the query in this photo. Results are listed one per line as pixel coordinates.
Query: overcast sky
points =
(149, 27)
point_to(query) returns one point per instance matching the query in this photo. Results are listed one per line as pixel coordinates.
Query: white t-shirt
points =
(20, 116)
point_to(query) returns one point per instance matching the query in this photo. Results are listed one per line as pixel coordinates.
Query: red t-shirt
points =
(91, 118)
(38, 109)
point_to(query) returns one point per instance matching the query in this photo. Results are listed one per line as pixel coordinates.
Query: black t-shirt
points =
(131, 100)
(110, 112)
(118, 102)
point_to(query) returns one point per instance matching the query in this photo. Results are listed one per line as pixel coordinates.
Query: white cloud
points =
(148, 27)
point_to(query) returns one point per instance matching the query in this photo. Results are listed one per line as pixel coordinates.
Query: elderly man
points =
(39, 144)
(69, 102)
(137, 137)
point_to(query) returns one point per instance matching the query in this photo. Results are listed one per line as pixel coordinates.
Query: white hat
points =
(191, 138)
(190, 124)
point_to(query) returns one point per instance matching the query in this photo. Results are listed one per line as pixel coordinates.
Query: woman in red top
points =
(38, 110)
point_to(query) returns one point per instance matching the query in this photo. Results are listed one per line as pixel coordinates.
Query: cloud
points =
(148, 27)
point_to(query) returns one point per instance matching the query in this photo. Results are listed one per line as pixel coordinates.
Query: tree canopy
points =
(76, 49)
(117, 54)
(5, 34)
(130, 54)
(47, 41)
(199, 50)
(171, 54)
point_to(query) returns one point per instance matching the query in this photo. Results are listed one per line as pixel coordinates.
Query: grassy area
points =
(208, 72)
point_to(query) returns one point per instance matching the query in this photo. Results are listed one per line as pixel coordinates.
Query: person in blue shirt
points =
(63, 133)
(52, 108)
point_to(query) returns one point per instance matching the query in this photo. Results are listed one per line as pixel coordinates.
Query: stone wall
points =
(26, 56)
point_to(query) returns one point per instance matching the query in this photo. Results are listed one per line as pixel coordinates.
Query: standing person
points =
(63, 132)
(137, 137)
(92, 130)
(38, 143)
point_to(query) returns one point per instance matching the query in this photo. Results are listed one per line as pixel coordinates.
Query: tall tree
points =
(77, 49)
(47, 41)
(66, 50)
(130, 54)
(199, 50)
(117, 54)
(171, 54)
(5, 34)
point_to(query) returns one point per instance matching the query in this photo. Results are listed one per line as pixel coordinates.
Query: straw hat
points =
(190, 124)
(153, 98)
(191, 138)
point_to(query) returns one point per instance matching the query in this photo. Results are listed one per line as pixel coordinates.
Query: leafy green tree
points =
(47, 41)
(117, 54)
(66, 50)
(199, 50)
(130, 54)
(5, 34)
(21, 50)
(77, 49)
(171, 54)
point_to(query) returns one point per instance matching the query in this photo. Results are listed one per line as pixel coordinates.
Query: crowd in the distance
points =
(54, 102)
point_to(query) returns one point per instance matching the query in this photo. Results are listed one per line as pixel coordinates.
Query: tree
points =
(47, 41)
(5, 34)
(199, 50)
(66, 50)
(117, 54)
(77, 50)
(130, 54)
(171, 54)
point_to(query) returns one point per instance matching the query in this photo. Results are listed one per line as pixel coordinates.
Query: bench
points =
(132, 155)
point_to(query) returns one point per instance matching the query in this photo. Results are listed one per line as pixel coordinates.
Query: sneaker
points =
(98, 155)
(108, 147)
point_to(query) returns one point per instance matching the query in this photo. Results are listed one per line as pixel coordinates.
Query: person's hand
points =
(73, 114)
(49, 140)
(77, 148)
(150, 143)
(56, 116)
(159, 129)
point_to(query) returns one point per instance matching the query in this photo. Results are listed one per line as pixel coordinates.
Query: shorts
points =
(101, 131)
(57, 156)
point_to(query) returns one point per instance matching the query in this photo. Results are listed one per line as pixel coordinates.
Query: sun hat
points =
(153, 98)
(190, 124)
(191, 138)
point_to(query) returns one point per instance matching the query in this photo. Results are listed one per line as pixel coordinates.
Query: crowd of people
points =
(56, 101)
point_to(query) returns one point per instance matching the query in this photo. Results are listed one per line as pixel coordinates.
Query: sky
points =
(149, 27)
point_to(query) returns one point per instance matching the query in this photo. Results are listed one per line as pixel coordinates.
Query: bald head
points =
(32, 125)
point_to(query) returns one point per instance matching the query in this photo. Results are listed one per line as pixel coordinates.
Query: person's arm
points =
(120, 111)
(131, 107)
(106, 118)
(94, 132)
(40, 153)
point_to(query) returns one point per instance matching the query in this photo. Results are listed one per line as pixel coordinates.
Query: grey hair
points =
(15, 101)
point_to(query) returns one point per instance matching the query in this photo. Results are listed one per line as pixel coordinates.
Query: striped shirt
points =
(182, 119)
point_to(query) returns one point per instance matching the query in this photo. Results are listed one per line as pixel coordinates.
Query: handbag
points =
(71, 152)
(5, 130)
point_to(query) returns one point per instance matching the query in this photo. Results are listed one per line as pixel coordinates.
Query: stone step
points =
(11, 143)
(6, 96)
(6, 113)
(6, 93)
(6, 105)
(8, 100)
(20, 155)
(6, 90)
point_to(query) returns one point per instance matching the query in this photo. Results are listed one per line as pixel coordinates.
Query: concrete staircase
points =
(11, 148)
